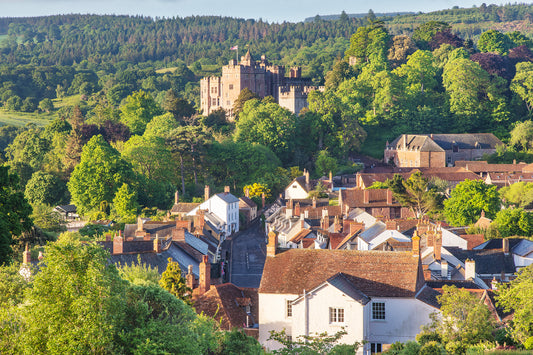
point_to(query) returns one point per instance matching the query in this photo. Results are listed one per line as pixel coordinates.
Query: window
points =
(336, 315)
(378, 310)
(375, 348)
(231, 86)
(288, 308)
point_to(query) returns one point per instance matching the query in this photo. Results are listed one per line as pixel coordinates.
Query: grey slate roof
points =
(439, 142)
(487, 261)
(517, 246)
(227, 197)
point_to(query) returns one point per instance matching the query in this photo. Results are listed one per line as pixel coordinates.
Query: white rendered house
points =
(372, 295)
(222, 210)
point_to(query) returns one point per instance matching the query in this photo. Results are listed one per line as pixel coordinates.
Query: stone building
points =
(439, 150)
(260, 77)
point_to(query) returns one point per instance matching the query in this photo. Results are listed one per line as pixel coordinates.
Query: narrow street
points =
(248, 253)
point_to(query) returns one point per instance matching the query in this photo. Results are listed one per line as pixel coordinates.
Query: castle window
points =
(231, 86)
(214, 102)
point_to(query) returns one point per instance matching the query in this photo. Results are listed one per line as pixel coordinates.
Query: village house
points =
(247, 207)
(220, 210)
(372, 295)
(439, 150)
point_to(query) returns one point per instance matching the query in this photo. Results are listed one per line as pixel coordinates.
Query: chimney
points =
(505, 246)
(297, 209)
(307, 181)
(470, 269)
(444, 269)
(207, 192)
(176, 197)
(389, 197)
(390, 224)
(199, 221)
(26, 255)
(314, 202)
(416, 244)
(324, 222)
(247, 192)
(140, 225)
(494, 283)
(306, 214)
(263, 199)
(178, 234)
(226, 189)
(205, 275)
(366, 196)
(437, 248)
(337, 225)
(108, 237)
(331, 178)
(157, 245)
(118, 244)
(190, 278)
(272, 244)
(482, 214)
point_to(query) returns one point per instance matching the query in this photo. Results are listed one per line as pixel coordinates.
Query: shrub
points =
(528, 344)
(432, 348)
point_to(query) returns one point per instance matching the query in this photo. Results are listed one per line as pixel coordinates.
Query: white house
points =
(372, 295)
(222, 211)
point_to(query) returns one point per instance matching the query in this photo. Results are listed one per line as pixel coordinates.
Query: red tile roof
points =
(226, 304)
(375, 273)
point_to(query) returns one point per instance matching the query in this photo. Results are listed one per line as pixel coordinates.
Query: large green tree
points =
(514, 221)
(516, 297)
(468, 199)
(98, 176)
(173, 281)
(268, 124)
(493, 41)
(416, 193)
(138, 109)
(14, 213)
(46, 188)
(522, 83)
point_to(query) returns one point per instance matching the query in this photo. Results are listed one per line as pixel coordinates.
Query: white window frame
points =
(288, 308)
(336, 315)
(379, 311)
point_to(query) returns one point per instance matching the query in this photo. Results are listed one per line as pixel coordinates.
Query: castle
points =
(260, 77)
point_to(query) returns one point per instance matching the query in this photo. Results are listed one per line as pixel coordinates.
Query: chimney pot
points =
(118, 244)
(470, 269)
(416, 244)
(226, 189)
(177, 197)
(247, 192)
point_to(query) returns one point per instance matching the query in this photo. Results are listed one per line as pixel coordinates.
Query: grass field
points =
(41, 119)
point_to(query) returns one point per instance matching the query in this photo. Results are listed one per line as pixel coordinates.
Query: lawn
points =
(41, 119)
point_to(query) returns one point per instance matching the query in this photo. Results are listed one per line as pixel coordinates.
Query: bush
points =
(456, 347)
(528, 344)
(427, 336)
(410, 348)
(432, 348)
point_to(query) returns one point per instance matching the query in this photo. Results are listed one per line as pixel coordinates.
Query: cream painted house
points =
(373, 295)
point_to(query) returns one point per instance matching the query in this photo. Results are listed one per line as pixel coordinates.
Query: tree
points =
(424, 33)
(516, 297)
(419, 72)
(45, 188)
(369, 44)
(416, 193)
(138, 109)
(176, 105)
(493, 41)
(150, 157)
(340, 72)
(522, 84)
(322, 343)
(268, 124)
(325, 163)
(257, 190)
(173, 281)
(468, 199)
(519, 194)
(125, 203)
(100, 173)
(161, 126)
(46, 105)
(237, 342)
(14, 213)
(245, 95)
(465, 318)
(75, 303)
(514, 221)
(402, 47)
